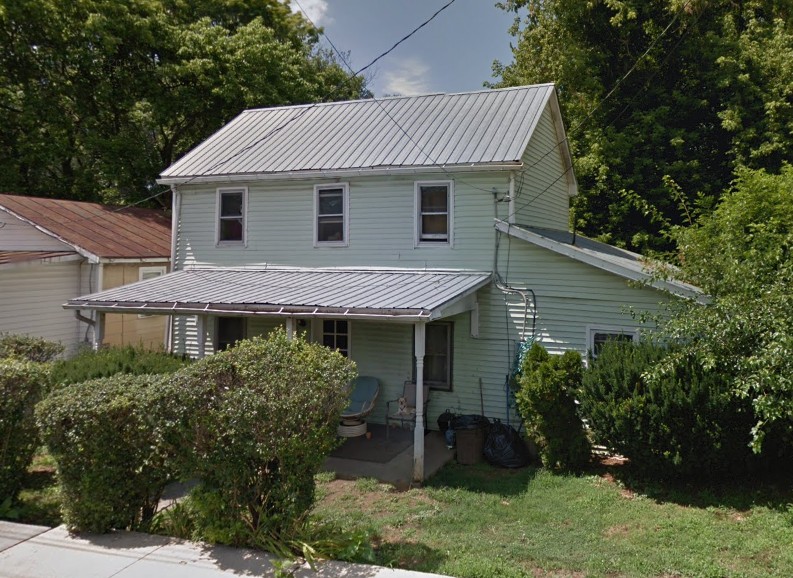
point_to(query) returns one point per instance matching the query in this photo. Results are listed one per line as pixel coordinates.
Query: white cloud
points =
(316, 10)
(408, 77)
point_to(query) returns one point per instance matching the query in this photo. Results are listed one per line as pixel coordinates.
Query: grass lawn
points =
(477, 521)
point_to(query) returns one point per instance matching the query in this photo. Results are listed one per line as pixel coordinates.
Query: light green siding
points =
(541, 189)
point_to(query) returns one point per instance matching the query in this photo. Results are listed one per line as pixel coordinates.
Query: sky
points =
(453, 53)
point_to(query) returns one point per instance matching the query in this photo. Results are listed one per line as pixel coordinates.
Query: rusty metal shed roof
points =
(101, 230)
(487, 128)
(369, 293)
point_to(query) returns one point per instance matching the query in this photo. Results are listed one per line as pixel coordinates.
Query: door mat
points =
(377, 448)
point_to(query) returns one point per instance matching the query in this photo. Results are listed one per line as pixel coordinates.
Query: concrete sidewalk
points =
(40, 552)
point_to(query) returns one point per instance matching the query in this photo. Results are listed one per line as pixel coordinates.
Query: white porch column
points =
(99, 330)
(418, 431)
(291, 328)
(201, 335)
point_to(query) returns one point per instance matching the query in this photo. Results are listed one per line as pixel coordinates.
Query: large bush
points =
(107, 361)
(22, 384)
(110, 439)
(680, 423)
(28, 347)
(265, 416)
(546, 401)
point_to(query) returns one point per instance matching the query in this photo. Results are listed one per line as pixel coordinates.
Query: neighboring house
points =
(424, 237)
(54, 250)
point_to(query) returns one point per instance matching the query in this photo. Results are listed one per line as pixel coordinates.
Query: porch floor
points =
(359, 462)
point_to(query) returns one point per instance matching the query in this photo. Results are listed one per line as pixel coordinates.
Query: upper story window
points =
(434, 209)
(330, 211)
(231, 207)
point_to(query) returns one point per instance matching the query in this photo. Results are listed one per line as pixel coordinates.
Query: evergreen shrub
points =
(107, 361)
(22, 384)
(110, 439)
(28, 347)
(264, 417)
(546, 400)
(683, 422)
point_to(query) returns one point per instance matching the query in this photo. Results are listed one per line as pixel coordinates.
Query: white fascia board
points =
(344, 173)
(564, 148)
(678, 289)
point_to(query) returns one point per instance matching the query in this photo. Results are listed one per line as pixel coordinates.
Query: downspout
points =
(176, 203)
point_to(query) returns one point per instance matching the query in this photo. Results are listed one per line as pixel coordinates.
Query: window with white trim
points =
(336, 335)
(228, 331)
(146, 273)
(434, 210)
(438, 340)
(231, 206)
(598, 336)
(330, 215)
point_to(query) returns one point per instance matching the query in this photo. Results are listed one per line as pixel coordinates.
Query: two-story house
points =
(424, 237)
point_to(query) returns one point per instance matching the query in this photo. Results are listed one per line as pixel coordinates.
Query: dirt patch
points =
(620, 531)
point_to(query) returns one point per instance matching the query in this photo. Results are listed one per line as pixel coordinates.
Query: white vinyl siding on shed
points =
(32, 299)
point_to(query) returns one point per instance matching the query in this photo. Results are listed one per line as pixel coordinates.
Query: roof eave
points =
(670, 286)
(503, 166)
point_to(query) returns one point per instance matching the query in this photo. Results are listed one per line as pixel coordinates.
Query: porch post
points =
(418, 430)
(290, 328)
(99, 330)
(201, 335)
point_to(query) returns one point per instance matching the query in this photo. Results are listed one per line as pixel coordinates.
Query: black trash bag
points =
(505, 448)
(470, 422)
(445, 420)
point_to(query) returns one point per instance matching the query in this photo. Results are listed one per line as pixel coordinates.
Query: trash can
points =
(470, 431)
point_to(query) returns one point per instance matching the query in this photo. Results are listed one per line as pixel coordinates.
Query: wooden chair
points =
(406, 414)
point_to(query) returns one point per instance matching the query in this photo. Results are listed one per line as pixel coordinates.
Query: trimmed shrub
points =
(683, 422)
(264, 417)
(22, 385)
(109, 438)
(89, 364)
(27, 347)
(546, 401)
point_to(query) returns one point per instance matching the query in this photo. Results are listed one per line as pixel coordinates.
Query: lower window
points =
(438, 356)
(598, 336)
(228, 331)
(336, 335)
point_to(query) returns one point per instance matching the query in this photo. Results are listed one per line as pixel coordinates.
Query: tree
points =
(98, 96)
(742, 256)
(685, 89)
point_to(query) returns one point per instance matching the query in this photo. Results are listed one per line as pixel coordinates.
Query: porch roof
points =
(399, 295)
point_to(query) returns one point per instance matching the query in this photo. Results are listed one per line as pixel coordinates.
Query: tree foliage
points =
(687, 89)
(742, 255)
(98, 96)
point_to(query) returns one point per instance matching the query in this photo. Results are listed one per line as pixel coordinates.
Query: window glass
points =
(230, 330)
(434, 213)
(336, 335)
(231, 216)
(599, 338)
(330, 215)
(438, 356)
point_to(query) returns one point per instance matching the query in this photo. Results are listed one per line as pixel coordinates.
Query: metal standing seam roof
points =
(451, 130)
(102, 230)
(621, 262)
(318, 292)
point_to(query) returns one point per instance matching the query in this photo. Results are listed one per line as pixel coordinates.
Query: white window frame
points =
(418, 241)
(345, 242)
(142, 271)
(633, 332)
(228, 190)
(447, 385)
